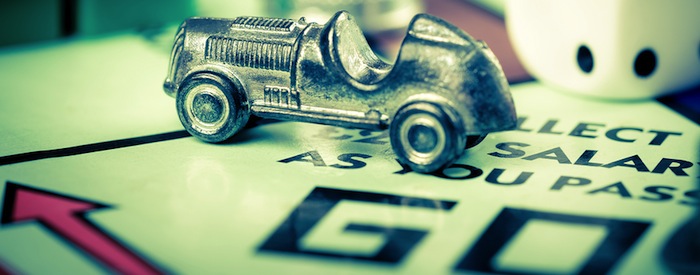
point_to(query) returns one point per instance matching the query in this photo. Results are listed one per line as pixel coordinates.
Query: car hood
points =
(466, 70)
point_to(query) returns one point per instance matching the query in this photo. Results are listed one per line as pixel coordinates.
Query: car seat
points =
(349, 47)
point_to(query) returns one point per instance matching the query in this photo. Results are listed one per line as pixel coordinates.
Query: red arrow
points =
(65, 216)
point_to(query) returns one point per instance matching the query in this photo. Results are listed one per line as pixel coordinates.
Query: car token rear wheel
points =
(426, 137)
(211, 108)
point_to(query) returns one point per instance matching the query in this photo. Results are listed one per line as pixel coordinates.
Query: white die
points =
(638, 48)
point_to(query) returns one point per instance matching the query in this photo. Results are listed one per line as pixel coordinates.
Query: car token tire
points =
(426, 137)
(211, 108)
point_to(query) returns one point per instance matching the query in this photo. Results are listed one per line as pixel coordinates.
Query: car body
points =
(444, 92)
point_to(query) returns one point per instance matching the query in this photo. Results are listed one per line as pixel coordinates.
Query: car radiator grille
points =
(247, 53)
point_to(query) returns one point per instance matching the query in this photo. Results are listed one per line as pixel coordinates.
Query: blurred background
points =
(384, 21)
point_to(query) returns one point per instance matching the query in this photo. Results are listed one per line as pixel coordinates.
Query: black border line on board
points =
(679, 102)
(91, 148)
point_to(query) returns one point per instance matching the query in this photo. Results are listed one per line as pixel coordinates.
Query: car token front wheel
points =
(426, 137)
(211, 108)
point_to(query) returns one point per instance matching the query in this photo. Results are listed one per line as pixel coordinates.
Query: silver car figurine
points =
(443, 94)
